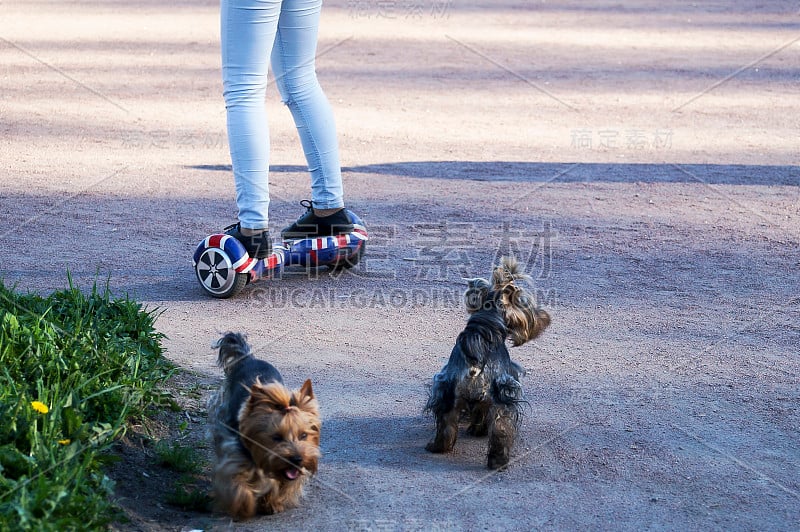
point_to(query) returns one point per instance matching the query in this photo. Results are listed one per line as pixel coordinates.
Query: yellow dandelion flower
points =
(40, 407)
(64, 442)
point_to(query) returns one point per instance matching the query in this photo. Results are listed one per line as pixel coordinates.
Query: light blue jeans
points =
(283, 32)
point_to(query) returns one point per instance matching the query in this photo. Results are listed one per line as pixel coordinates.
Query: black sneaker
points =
(309, 225)
(258, 246)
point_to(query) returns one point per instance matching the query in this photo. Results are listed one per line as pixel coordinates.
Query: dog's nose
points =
(474, 371)
(296, 460)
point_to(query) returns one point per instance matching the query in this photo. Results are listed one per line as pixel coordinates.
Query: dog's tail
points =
(233, 347)
(507, 391)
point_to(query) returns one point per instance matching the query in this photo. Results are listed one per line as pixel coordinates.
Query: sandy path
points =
(642, 160)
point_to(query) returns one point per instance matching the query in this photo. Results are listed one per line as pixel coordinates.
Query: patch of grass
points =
(188, 493)
(74, 368)
(180, 458)
(189, 497)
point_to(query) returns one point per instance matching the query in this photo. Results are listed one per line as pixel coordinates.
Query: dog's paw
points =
(436, 446)
(498, 460)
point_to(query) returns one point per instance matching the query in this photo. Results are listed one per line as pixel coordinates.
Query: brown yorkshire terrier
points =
(480, 380)
(266, 437)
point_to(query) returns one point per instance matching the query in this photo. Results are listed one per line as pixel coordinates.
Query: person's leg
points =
(248, 29)
(294, 70)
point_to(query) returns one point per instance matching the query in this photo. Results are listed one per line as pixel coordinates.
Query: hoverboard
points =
(224, 267)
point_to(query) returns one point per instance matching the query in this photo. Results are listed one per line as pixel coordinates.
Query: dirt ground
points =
(640, 158)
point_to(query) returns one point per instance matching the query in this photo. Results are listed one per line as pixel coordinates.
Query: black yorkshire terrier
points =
(480, 379)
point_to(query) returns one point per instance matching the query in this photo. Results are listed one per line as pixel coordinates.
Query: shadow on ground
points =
(532, 172)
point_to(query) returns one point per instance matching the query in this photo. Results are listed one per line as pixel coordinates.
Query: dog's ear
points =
(306, 390)
(541, 320)
(525, 321)
(304, 399)
(512, 296)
